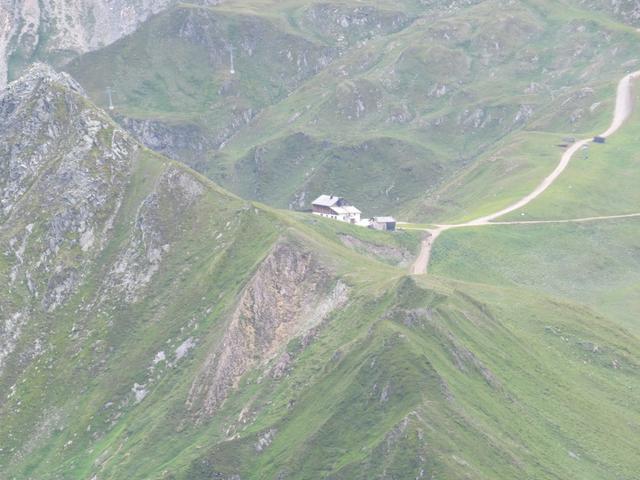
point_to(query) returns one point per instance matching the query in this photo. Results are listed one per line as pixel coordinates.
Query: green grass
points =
(517, 358)
(593, 263)
(368, 123)
(603, 182)
(505, 174)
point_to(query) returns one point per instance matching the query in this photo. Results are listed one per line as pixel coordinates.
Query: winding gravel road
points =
(622, 111)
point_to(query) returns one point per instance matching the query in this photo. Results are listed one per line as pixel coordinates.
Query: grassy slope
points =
(594, 264)
(463, 399)
(602, 183)
(479, 92)
(591, 263)
(410, 376)
(467, 410)
(454, 379)
(418, 377)
(319, 133)
(125, 339)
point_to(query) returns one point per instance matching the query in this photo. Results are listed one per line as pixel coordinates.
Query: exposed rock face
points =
(290, 293)
(63, 172)
(187, 142)
(64, 29)
(356, 99)
(23, 122)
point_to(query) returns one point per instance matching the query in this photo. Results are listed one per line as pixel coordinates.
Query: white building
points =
(330, 206)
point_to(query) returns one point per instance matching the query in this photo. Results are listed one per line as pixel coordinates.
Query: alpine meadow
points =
(320, 239)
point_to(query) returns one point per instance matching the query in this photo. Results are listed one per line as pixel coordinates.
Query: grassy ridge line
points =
(452, 379)
(194, 273)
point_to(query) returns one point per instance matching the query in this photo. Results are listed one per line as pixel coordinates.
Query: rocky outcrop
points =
(61, 30)
(151, 238)
(354, 100)
(27, 114)
(290, 293)
(185, 141)
(345, 24)
(71, 201)
(626, 11)
(63, 172)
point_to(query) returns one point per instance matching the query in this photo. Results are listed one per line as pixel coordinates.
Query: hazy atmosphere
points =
(299, 239)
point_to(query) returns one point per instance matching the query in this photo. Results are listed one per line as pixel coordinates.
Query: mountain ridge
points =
(199, 335)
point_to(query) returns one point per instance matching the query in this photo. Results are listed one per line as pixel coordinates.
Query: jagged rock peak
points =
(37, 74)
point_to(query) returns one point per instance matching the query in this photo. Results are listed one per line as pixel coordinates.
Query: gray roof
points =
(384, 219)
(349, 209)
(326, 200)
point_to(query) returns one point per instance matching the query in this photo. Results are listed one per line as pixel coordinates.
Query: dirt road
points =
(420, 265)
(622, 111)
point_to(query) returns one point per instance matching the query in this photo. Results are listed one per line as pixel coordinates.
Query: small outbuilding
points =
(598, 139)
(384, 223)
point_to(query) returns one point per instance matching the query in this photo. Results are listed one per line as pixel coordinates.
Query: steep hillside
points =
(58, 31)
(420, 109)
(156, 326)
